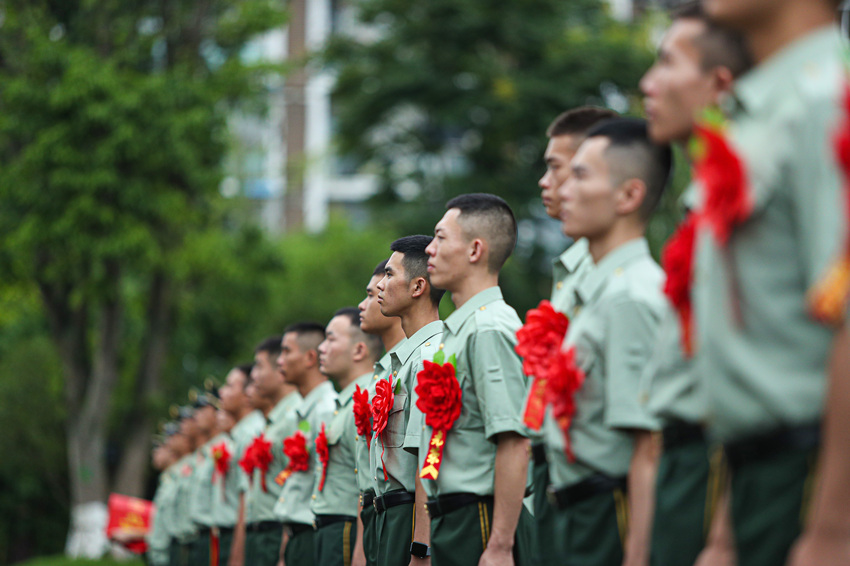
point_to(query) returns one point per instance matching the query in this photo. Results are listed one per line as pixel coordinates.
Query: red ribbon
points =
(324, 456)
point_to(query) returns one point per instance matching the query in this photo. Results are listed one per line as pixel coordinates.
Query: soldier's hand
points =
(820, 549)
(717, 555)
(415, 561)
(496, 556)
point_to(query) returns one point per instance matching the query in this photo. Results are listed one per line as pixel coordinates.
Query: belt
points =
(262, 526)
(225, 530)
(585, 489)
(764, 446)
(392, 499)
(538, 453)
(366, 498)
(297, 528)
(681, 433)
(445, 504)
(325, 520)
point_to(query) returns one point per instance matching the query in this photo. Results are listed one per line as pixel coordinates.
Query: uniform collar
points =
(318, 392)
(574, 255)
(402, 354)
(279, 410)
(385, 362)
(347, 394)
(457, 318)
(756, 90)
(594, 282)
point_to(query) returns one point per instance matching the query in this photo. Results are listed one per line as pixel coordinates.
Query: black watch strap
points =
(420, 550)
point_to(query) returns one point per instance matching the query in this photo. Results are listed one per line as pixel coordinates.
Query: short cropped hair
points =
(245, 369)
(631, 154)
(270, 346)
(415, 261)
(380, 268)
(372, 341)
(488, 216)
(718, 46)
(578, 121)
(308, 335)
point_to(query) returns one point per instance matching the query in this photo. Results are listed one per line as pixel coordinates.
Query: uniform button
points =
(314, 497)
(618, 272)
(484, 308)
(427, 343)
(395, 373)
(442, 346)
(336, 412)
(355, 470)
(644, 398)
(560, 285)
(376, 376)
(282, 500)
(423, 427)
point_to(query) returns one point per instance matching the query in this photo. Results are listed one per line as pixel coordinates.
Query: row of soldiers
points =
(674, 416)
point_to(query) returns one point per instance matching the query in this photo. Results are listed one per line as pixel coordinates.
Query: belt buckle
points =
(361, 500)
(375, 504)
(315, 525)
(427, 512)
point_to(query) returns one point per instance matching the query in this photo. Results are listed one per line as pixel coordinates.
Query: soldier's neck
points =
(392, 336)
(419, 315)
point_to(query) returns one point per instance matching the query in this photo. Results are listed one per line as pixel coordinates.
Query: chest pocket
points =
(396, 424)
(336, 426)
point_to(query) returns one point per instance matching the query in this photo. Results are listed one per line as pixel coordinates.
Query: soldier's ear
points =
(418, 286)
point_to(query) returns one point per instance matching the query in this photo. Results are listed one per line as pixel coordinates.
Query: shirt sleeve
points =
(632, 328)
(500, 385)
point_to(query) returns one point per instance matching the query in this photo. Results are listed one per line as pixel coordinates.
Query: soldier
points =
(476, 478)
(299, 363)
(347, 357)
(616, 181)
(405, 292)
(200, 492)
(565, 135)
(185, 531)
(392, 336)
(163, 458)
(761, 350)
(697, 62)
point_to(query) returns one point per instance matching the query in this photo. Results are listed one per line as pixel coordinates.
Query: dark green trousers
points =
(544, 550)
(225, 541)
(179, 553)
(333, 544)
(262, 548)
(460, 537)
(591, 532)
(770, 499)
(690, 480)
(299, 550)
(370, 535)
(199, 550)
(395, 532)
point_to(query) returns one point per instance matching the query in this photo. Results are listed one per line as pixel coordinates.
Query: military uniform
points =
(159, 539)
(365, 481)
(613, 327)
(201, 501)
(481, 334)
(567, 269)
(184, 530)
(761, 357)
(226, 510)
(336, 504)
(293, 505)
(395, 495)
(263, 530)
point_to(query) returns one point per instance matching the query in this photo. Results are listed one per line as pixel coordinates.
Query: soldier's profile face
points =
(588, 198)
(371, 319)
(233, 391)
(448, 252)
(559, 153)
(394, 289)
(676, 88)
(292, 363)
(335, 351)
(264, 374)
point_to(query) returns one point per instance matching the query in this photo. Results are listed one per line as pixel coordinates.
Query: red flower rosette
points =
(261, 455)
(538, 339)
(721, 171)
(827, 299)
(564, 380)
(324, 455)
(363, 413)
(440, 401)
(221, 458)
(678, 262)
(382, 403)
(247, 463)
(298, 457)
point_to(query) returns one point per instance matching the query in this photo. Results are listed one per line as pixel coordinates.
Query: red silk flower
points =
(324, 455)
(537, 341)
(247, 463)
(297, 455)
(382, 403)
(827, 299)
(727, 199)
(678, 261)
(363, 413)
(440, 401)
(261, 453)
(563, 381)
(221, 457)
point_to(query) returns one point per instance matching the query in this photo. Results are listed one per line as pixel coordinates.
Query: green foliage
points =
(63, 561)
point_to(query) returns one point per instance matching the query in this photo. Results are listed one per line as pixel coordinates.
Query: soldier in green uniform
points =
(183, 530)
(279, 399)
(299, 363)
(565, 134)
(347, 356)
(392, 336)
(405, 292)
(476, 501)
(616, 181)
(200, 490)
(697, 62)
(760, 353)
(158, 539)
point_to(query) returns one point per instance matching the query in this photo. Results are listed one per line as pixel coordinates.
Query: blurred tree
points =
(452, 96)
(112, 124)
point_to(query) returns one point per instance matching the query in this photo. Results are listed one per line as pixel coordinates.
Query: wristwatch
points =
(420, 550)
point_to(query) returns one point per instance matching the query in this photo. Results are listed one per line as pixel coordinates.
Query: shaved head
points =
(490, 218)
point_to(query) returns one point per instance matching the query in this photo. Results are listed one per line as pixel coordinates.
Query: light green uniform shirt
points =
(259, 502)
(340, 494)
(618, 306)
(159, 539)
(226, 509)
(482, 335)
(201, 498)
(361, 450)
(293, 504)
(760, 355)
(401, 465)
(184, 528)
(225, 488)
